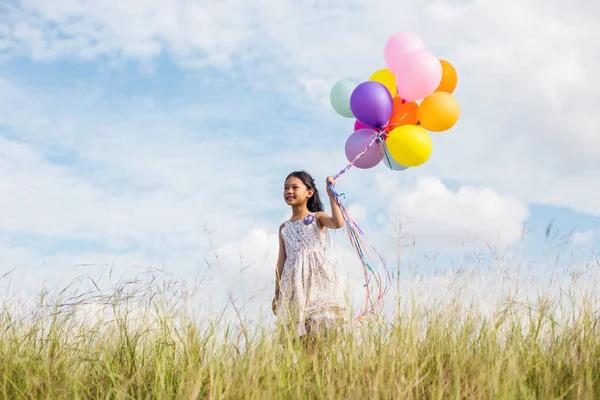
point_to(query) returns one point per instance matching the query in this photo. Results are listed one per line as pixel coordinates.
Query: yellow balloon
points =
(387, 79)
(438, 112)
(409, 145)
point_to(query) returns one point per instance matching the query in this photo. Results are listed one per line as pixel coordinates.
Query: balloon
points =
(400, 45)
(418, 74)
(403, 113)
(438, 112)
(358, 125)
(389, 161)
(387, 79)
(371, 103)
(409, 145)
(340, 96)
(449, 78)
(356, 144)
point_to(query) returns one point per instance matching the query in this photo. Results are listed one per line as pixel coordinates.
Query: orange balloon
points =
(403, 114)
(438, 112)
(449, 78)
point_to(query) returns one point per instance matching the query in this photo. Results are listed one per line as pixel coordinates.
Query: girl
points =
(307, 297)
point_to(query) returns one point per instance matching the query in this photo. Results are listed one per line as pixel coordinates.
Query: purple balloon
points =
(372, 104)
(356, 144)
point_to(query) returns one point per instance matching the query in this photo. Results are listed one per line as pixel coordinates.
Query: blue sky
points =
(151, 133)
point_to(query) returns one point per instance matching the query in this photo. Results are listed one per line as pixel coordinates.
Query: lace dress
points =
(310, 298)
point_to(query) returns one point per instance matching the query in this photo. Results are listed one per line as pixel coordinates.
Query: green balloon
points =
(340, 96)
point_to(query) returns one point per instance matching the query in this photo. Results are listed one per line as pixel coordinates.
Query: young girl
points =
(307, 296)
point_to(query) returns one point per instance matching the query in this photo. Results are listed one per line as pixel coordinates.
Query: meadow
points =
(141, 339)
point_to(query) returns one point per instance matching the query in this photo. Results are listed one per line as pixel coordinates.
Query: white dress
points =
(310, 298)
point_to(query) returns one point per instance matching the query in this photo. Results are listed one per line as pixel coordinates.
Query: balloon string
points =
(389, 127)
(395, 111)
(354, 234)
(387, 157)
(380, 136)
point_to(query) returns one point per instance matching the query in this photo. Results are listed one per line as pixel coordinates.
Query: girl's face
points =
(295, 191)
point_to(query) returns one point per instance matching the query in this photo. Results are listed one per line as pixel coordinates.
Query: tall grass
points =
(141, 340)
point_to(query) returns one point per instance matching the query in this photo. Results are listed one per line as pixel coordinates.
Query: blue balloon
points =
(389, 161)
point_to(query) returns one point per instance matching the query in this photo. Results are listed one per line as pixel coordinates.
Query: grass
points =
(140, 340)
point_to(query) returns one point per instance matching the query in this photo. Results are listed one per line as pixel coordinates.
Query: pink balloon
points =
(359, 125)
(400, 45)
(418, 75)
(356, 144)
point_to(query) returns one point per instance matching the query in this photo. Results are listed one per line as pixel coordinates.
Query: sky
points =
(158, 134)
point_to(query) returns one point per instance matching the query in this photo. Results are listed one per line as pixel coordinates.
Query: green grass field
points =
(139, 341)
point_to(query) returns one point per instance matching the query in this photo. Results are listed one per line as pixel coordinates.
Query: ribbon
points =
(356, 236)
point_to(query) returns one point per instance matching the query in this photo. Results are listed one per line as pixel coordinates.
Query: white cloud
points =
(487, 289)
(152, 173)
(89, 30)
(440, 218)
(357, 212)
(132, 174)
(509, 286)
(526, 70)
(583, 237)
(140, 186)
(252, 258)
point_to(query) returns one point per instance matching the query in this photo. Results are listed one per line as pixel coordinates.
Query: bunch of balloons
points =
(400, 104)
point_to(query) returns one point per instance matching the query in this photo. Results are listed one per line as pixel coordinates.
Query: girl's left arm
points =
(336, 220)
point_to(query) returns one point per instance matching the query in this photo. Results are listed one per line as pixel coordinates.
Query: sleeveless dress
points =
(310, 299)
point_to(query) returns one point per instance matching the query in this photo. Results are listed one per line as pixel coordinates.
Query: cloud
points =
(442, 219)
(491, 292)
(151, 176)
(141, 30)
(133, 184)
(134, 174)
(526, 77)
(475, 287)
(358, 212)
(583, 237)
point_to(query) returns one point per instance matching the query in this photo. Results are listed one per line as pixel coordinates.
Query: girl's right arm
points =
(280, 262)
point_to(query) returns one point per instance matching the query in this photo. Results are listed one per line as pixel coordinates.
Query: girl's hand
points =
(328, 181)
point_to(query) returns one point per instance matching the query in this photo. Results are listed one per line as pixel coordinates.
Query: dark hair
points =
(314, 202)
